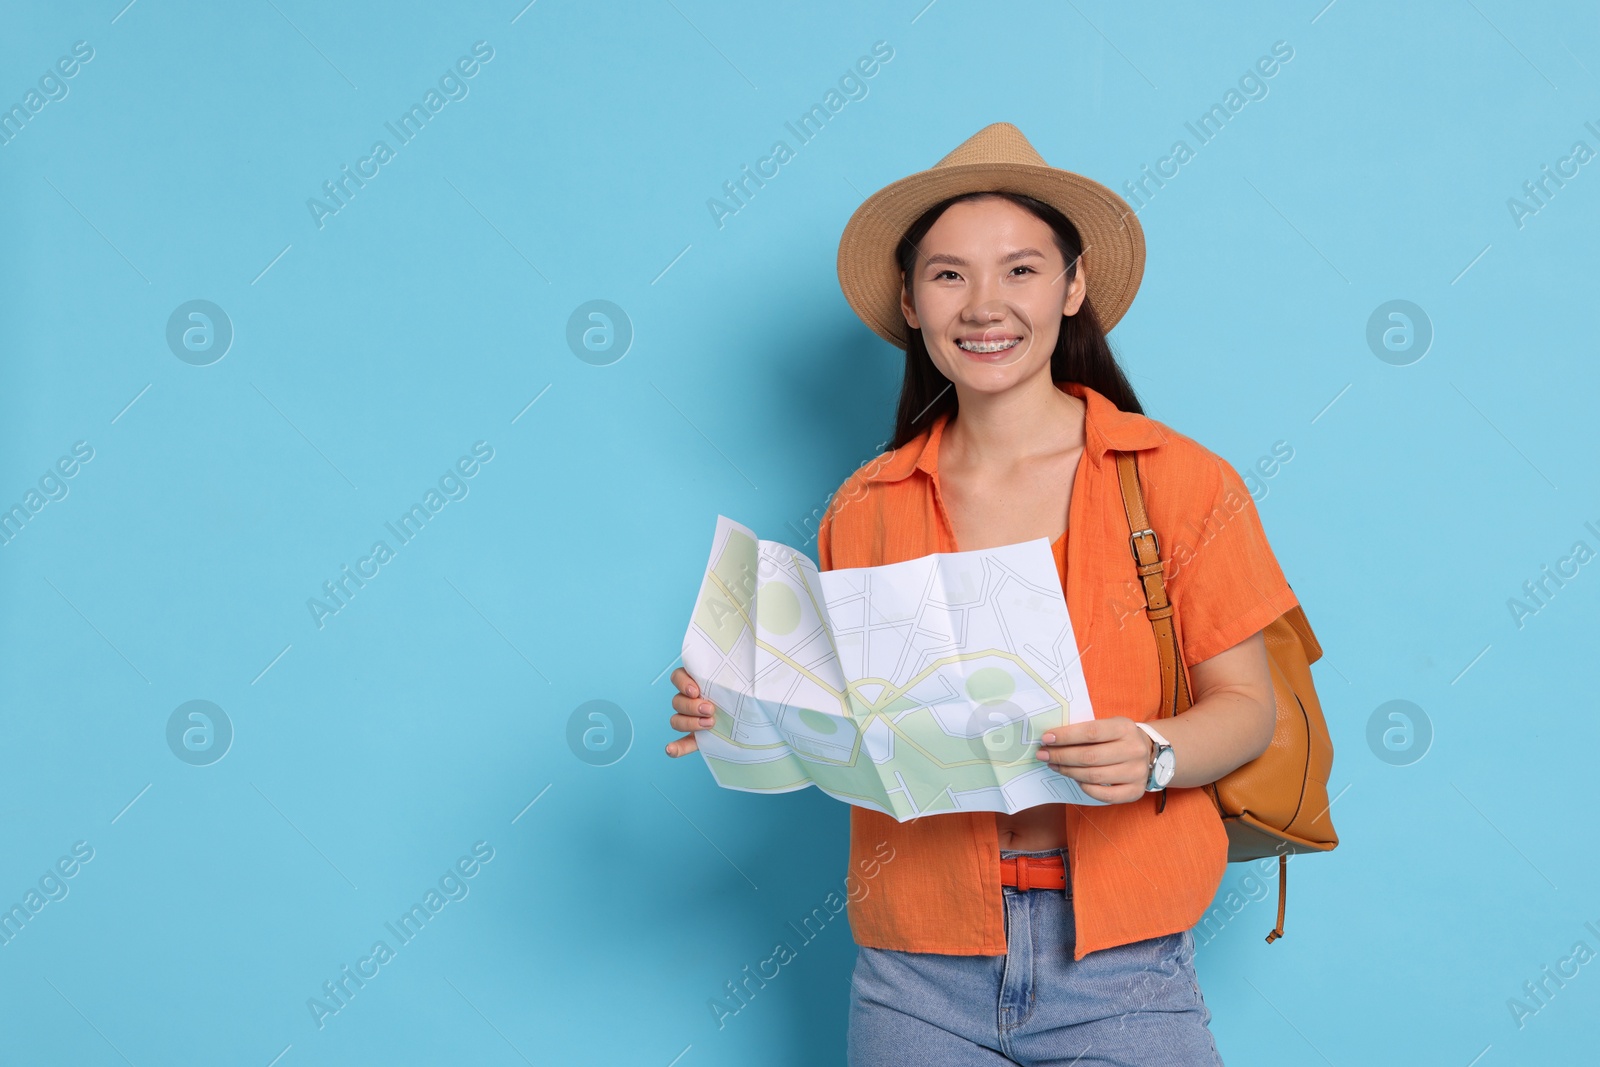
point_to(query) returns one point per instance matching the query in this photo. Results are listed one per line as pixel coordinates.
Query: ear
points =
(906, 307)
(1077, 289)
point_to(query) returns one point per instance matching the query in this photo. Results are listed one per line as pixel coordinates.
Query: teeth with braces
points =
(988, 346)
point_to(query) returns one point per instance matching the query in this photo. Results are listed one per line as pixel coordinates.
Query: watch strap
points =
(1151, 730)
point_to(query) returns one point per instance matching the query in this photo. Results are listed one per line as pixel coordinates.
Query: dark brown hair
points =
(1082, 352)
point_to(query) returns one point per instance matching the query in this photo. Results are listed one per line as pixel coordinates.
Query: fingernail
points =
(1041, 755)
(705, 709)
(1049, 739)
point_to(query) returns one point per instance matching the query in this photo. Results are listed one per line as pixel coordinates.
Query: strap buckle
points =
(1133, 542)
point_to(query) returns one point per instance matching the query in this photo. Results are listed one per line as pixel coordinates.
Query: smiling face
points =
(988, 290)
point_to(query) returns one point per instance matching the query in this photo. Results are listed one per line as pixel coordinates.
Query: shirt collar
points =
(1105, 428)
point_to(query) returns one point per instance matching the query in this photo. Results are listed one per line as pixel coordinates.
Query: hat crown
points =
(999, 142)
(997, 158)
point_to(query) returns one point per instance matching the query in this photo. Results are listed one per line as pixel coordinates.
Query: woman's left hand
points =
(1109, 758)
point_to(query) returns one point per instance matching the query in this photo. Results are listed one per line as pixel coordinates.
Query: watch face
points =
(1165, 768)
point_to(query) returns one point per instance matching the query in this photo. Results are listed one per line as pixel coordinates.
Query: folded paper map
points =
(912, 689)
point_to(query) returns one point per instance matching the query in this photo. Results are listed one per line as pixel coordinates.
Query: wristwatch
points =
(1163, 763)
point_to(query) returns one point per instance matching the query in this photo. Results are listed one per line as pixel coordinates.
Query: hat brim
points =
(1113, 240)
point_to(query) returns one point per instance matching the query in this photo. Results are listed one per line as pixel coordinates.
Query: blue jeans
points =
(1134, 1005)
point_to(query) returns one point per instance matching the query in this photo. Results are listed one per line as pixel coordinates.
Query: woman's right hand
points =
(689, 713)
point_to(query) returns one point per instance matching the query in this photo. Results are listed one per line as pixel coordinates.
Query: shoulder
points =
(878, 498)
(1164, 453)
(1211, 536)
(1182, 478)
(857, 486)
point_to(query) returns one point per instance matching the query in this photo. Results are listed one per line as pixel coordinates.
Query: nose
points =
(984, 303)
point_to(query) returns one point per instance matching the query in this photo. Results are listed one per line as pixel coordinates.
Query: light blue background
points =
(426, 315)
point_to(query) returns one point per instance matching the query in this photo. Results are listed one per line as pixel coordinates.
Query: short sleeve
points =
(825, 542)
(826, 526)
(1225, 582)
(851, 490)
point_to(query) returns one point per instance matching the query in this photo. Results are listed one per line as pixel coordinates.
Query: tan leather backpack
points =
(1277, 804)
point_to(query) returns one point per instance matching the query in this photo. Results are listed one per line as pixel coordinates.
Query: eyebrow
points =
(1021, 253)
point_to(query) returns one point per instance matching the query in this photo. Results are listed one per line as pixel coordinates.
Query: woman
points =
(1060, 934)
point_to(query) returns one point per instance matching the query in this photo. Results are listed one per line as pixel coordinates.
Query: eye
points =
(942, 273)
(1029, 269)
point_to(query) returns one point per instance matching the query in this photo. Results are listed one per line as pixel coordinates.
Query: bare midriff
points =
(1033, 829)
(1044, 826)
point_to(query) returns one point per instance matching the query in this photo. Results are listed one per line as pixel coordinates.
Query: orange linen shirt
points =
(1135, 873)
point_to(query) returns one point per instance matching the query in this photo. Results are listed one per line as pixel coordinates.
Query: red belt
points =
(1034, 872)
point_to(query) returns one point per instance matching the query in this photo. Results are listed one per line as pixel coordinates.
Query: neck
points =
(1032, 418)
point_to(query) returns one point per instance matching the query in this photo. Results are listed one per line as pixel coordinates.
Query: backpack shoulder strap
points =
(1146, 548)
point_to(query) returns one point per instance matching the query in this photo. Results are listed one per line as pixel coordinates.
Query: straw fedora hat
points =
(996, 158)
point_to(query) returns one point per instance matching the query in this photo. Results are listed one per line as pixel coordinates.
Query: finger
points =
(683, 746)
(691, 723)
(1077, 733)
(684, 683)
(1111, 794)
(696, 714)
(1091, 732)
(1095, 791)
(1120, 774)
(1095, 755)
(685, 705)
(1098, 754)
